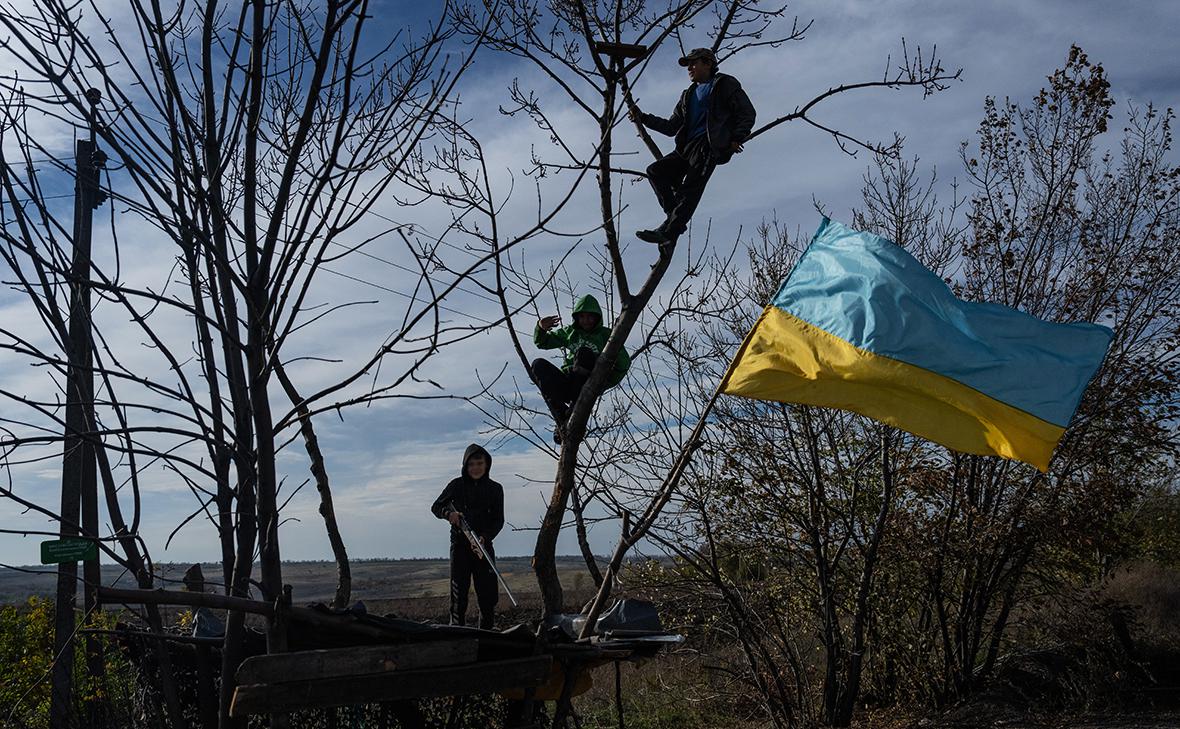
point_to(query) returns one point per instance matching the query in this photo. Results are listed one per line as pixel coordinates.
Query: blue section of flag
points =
(873, 294)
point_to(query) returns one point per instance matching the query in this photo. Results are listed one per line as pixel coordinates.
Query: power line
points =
(404, 295)
(407, 269)
(412, 297)
(417, 231)
(414, 228)
(442, 241)
(39, 197)
(396, 292)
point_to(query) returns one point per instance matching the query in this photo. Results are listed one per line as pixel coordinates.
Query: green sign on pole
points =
(70, 549)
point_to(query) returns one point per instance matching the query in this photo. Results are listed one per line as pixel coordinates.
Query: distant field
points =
(395, 579)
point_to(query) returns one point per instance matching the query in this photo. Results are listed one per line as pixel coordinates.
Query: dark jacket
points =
(730, 117)
(481, 502)
(573, 337)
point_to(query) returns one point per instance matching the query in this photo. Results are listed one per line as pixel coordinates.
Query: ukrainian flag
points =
(860, 325)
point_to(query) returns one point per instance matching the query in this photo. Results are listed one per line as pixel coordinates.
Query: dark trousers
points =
(679, 179)
(560, 387)
(466, 568)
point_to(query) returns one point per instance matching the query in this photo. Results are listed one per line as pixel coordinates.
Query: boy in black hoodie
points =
(481, 500)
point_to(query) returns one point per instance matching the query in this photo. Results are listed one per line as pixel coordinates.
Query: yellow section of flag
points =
(788, 360)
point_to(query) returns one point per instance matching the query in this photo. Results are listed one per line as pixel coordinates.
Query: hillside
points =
(378, 579)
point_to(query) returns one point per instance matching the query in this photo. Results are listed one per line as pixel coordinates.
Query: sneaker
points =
(653, 236)
(563, 416)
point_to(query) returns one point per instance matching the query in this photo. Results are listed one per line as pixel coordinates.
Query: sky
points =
(388, 462)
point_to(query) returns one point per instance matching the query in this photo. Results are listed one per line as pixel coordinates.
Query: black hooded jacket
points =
(481, 502)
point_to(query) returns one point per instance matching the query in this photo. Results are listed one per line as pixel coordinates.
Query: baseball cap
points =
(705, 53)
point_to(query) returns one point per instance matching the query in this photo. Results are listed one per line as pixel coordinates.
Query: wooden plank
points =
(340, 662)
(195, 599)
(171, 637)
(341, 625)
(620, 50)
(482, 677)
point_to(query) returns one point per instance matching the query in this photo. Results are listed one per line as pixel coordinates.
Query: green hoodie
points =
(572, 338)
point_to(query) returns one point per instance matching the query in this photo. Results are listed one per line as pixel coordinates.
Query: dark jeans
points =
(560, 387)
(466, 568)
(679, 179)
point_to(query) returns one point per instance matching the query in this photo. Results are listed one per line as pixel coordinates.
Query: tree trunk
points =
(583, 541)
(320, 473)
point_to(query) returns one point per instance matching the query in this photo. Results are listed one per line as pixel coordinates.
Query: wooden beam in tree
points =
(482, 677)
(620, 50)
(341, 662)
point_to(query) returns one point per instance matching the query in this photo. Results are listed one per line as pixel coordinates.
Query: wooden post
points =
(79, 482)
(619, 692)
(276, 642)
(88, 487)
(206, 688)
(564, 705)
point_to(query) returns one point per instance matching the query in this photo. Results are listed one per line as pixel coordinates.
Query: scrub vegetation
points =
(842, 569)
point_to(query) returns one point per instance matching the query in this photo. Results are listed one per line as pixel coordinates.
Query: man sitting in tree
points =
(710, 122)
(582, 341)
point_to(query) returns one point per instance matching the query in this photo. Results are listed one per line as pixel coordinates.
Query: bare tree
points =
(1067, 233)
(587, 52)
(781, 524)
(254, 145)
(911, 560)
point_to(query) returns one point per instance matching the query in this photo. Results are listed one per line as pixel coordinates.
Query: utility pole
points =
(79, 483)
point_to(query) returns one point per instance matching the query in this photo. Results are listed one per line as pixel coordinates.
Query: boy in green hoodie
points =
(582, 341)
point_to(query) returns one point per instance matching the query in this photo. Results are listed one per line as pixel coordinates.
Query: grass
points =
(664, 693)
(675, 689)
(1153, 591)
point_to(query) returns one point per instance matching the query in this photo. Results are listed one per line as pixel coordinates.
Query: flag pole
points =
(629, 537)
